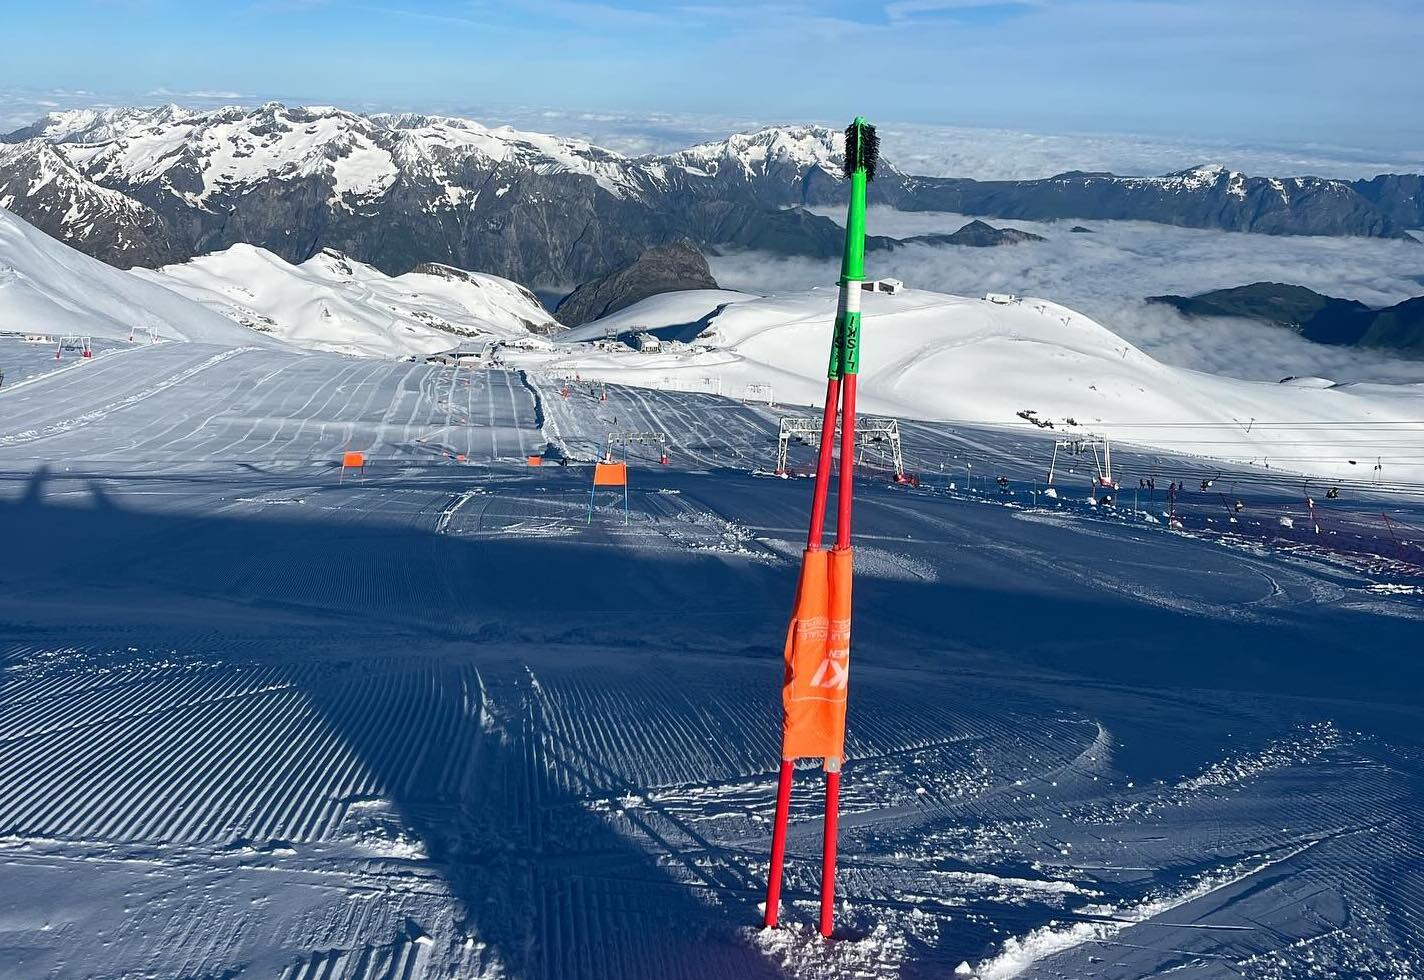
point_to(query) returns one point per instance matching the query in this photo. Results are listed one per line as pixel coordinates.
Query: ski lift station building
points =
(1003, 299)
(647, 343)
(891, 286)
(468, 354)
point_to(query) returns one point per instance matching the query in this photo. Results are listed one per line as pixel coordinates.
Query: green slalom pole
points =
(862, 148)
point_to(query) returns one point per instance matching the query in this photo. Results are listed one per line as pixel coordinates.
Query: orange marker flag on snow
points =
(817, 654)
(351, 461)
(610, 475)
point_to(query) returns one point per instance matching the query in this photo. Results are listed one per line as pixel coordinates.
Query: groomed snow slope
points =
(444, 718)
(48, 287)
(934, 356)
(333, 303)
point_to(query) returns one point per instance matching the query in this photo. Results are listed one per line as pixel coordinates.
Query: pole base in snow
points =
(778, 844)
(828, 847)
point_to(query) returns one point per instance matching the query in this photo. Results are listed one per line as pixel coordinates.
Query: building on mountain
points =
(891, 286)
(468, 355)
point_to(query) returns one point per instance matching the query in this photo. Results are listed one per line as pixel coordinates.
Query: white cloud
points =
(201, 95)
(905, 10)
(1108, 273)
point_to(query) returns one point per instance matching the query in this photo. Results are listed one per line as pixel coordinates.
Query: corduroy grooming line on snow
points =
(818, 640)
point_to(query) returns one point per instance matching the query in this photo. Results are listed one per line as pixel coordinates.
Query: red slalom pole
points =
(823, 464)
(813, 540)
(778, 844)
(844, 497)
(846, 489)
(828, 846)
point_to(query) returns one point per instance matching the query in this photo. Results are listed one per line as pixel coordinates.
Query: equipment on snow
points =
(817, 653)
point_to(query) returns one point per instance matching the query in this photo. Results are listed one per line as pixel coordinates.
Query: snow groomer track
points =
(260, 717)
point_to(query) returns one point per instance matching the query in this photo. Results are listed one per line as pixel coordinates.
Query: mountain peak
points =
(792, 149)
(1204, 172)
(95, 125)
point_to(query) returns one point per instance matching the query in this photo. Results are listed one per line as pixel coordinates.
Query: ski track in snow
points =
(439, 719)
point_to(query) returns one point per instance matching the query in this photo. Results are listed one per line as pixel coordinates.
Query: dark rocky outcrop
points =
(1315, 316)
(662, 269)
(1400, 197)
(978, 234)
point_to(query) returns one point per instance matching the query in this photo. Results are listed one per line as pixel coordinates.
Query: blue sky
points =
(1321, 71)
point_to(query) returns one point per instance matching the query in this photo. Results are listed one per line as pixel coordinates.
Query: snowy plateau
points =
(447, 714)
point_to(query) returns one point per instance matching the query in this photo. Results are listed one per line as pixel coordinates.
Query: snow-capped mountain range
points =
(155, 186)
(1209, 196)
(151, 188)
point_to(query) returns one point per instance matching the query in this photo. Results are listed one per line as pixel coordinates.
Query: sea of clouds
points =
(1108, 274)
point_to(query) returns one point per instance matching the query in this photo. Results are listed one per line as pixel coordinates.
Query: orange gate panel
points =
(610, 475)
(818, 658)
